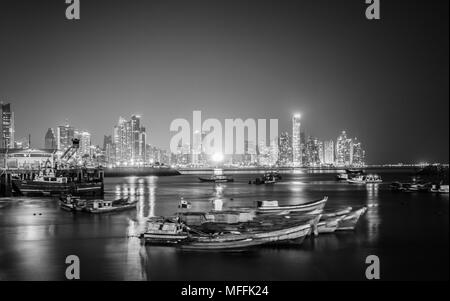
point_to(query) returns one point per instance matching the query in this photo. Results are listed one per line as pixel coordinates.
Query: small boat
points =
(443, 189)
(270, 207)
(368, 179)
(161, 231)
(217, 179)
(330, 213)
(350, 220)
(221, 241)
(72, 203)
(349, 173)
(105, 206)
(274, 174)
(266, 180)
(329, 225)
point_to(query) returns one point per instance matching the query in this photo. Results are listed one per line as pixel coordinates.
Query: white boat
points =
(443, 189)
(270, 207)
(365, 179)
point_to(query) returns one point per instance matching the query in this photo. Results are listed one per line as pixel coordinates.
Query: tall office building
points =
(6, 126)
(358, 153)
(285, 150)
(64, 136)
(296, 141)
(130, 140)
(329, 152)
(321, 152)
(50, 139)
(85, 142)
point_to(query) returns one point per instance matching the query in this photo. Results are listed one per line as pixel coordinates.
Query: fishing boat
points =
(350, 220)
(329, 225)
(106, 206)
(51, 184)
(217, 179)
(220, 241)
(162, 231)
(335, 212)
(72, 203)
(270, 207)
(365, 179)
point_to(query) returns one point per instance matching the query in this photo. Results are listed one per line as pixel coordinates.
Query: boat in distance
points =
(268, 207)
(365, 179)
(75, 204)
(217, 179)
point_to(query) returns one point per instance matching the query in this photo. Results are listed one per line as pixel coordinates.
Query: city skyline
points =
(162, 63)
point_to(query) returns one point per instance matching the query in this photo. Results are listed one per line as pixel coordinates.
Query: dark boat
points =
(162, 231)
(217, 179)
(105, 206)
(56, 185)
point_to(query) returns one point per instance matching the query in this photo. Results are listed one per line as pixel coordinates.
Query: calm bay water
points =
(409, 232)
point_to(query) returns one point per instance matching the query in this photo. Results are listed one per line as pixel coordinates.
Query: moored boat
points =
(365, 179)
(350, 220)
(442, 189)
(227, 241)
(269, 207)
(72, 203)
(217, 179)
(106, 206)
(162, 231)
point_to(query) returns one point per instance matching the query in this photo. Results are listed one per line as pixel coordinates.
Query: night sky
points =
(385, 81)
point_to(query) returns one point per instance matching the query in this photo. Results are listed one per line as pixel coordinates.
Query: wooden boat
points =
(217, 179)
(350, 220)
(228, 241)
(329, 225)
(161, 231)
(349, 173)
(270, 207)
(72, 203)
(105, 206)
(330, 213)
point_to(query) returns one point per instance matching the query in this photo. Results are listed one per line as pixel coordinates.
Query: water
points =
(407, 231)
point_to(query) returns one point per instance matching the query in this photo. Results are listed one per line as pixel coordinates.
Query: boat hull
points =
(215, 181)
(348, 223)
(307, 207)
(29, 188)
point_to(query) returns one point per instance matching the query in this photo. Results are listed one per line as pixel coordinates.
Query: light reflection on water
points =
(110, 250)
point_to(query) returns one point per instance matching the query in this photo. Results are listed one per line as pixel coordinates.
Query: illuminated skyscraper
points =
(85, 142)
(130, 141)
(296, 141)
(329, 152)
(6, 126)
(64, 136)
(285, 150)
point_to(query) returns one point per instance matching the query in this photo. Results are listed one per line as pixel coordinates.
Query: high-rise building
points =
(130, 139)
(6, 126)
(312, 152)
(64, 136)
(329, 152)
(296, 141)
(358, 153)
(85, 142)
(321, 152)
(285, 150)
(50, 139)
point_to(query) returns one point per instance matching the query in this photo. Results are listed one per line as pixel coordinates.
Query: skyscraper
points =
(85, 142)
(296, 141)
(285, 152)
(6, 126)
(130, 141)
(50, 139)
(64, 136)
(329, 152)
